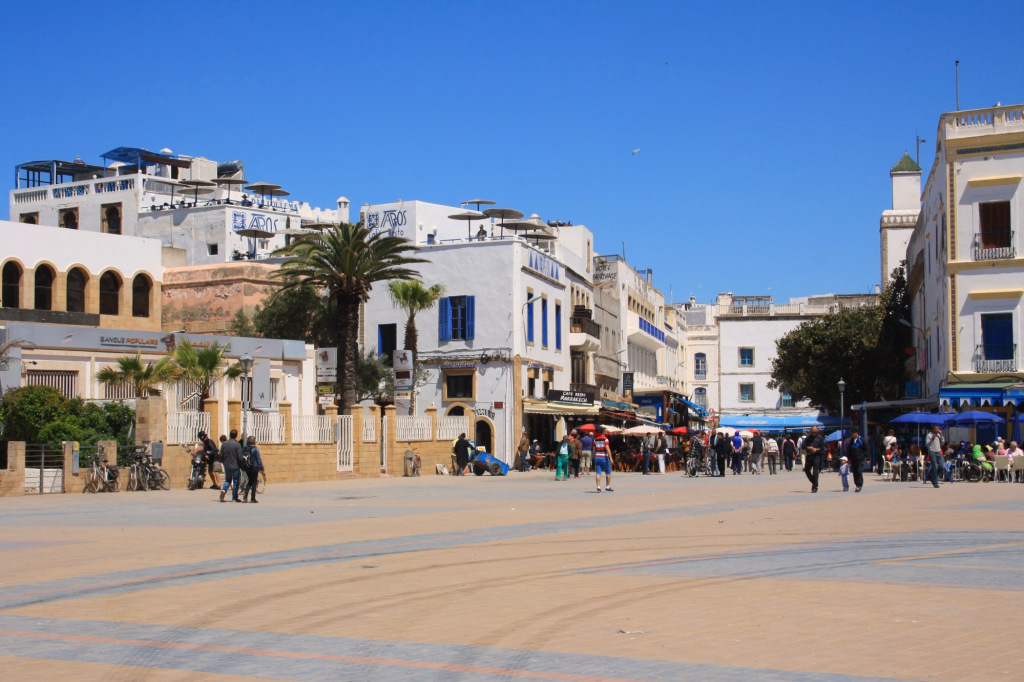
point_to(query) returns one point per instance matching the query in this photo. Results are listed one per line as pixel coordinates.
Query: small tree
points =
(412, 297)
(204, 366)
(144, 377)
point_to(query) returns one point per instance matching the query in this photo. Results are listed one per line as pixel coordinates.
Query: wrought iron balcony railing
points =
(995, 358)
(585, 325)
(993, 245)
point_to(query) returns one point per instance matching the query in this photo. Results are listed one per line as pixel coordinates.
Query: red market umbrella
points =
(586, 427)
(679, 431)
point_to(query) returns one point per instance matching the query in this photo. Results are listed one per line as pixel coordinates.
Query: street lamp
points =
(842, 417)
(246, 364)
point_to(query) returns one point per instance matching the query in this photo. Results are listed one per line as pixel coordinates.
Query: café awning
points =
(559, 409)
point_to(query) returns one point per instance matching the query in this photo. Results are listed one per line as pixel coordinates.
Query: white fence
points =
(369, 429)
(344, 435)
(412, 428)
(182, 427)
(312, 428)
(449, 428)
(268, 427)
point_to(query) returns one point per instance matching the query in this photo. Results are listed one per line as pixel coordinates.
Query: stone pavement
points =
(521, 577)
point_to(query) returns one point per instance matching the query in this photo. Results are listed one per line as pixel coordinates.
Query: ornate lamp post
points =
(842, 414)
(246, 363)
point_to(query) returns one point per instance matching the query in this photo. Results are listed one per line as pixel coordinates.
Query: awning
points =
(978, 395)
(773, 423)
(694, 407)
(558, 409)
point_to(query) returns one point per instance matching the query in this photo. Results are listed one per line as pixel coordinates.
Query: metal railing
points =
(312, 428)
(992, 357)
(369, 430)
(993, 245)
(585, 325)
(345, 444)
(268, 427)
(409, 428)
(700, 374)
(182, 427)
(584, 388)
(449, 428)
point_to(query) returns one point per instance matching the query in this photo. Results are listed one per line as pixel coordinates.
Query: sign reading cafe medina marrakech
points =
(570, 397)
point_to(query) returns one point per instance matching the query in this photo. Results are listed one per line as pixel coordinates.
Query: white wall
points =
(759, 333)
(95, 251)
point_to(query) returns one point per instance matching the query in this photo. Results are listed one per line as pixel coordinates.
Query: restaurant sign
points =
(574, 397)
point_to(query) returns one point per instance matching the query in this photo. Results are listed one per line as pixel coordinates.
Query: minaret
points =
(897, 224)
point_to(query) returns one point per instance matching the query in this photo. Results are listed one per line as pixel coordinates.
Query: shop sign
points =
(402, 360)
(327, 399)
(458, 365)
(403, 381)
(327, 364)
(484, 412)
(133, 341)
(574, 397)
(627, 381)
(325, 389)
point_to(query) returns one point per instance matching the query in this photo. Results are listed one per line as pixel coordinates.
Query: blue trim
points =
(558, 326)
(444, 320)
(651, 329)
(470, 317)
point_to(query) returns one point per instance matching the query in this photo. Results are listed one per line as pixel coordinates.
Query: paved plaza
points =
(522, 577)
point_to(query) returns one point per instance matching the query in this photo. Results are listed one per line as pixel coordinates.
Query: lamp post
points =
(842, 416)
(246, 363)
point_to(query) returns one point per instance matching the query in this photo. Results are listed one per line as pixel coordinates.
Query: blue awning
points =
(694, 407)
(771, 423)
(977, 394)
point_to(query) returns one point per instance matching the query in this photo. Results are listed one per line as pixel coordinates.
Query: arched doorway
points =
(44, 288)
(76, 282)
(110, 294)
(484, 435)
(11, 293)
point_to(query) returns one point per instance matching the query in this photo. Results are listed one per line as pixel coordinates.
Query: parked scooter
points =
(197, 476)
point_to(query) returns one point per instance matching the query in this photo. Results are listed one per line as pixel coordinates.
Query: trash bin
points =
(410, 463)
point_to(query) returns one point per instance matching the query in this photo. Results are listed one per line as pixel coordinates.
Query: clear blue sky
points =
(766, 130)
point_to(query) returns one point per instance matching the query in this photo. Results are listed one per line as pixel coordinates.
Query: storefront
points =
(547, 420)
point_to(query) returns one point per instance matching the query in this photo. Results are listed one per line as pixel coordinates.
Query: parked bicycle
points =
(144, 474)
(100, 477)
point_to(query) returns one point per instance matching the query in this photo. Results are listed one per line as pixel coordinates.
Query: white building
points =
(966, 272)
(504, 343)
(191, 204)
(897, 223)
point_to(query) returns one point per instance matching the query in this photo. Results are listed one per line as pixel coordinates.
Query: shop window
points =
(77, 280)
(141, 289)
(787, 399)
(746, 357)
(29, 218)
(110, 294)
(11, 291)
(456, 318)
(746, 393)
(459, 385)
(44, 288)
(69, 218)
(111, 214)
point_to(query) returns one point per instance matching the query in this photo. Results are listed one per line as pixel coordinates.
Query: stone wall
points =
(205, 298)
(12, 479)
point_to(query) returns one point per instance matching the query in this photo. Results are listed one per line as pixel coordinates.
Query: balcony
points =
(584, 388)
(700, 375)
(993, 245)
(995, 358)
(584, 333)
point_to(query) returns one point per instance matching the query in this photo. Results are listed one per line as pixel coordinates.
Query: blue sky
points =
(766, 130)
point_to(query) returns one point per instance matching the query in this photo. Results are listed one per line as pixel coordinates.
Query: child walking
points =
(844, 473)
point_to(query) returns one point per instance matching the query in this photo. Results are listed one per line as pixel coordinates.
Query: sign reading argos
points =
(242, 220)
(393, 220)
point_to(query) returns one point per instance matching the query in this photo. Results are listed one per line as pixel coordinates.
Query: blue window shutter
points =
(529, 322)
(470, 317)
(558, 326)
(444, 322)
(544, 321)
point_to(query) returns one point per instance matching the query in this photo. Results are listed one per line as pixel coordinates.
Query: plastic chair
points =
(1001, 463)
(1018, 468)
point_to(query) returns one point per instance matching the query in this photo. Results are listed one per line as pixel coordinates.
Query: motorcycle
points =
(197, 476)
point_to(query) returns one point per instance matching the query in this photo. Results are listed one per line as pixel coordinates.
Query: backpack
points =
(245, 459)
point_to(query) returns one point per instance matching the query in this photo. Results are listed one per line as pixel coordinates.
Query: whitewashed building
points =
(966, 271)
(897, 223)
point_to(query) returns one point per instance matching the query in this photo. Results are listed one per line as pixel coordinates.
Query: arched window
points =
(700, 397)
(141, 288)
(77, 280)
(700, 366)
(112, 218)
(110, 294)
(69, 218)
(11, 291)
(44, 288)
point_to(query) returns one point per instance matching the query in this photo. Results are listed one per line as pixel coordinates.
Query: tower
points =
(897, 223)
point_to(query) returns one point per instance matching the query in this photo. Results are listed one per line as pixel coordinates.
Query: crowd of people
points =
(233, 458)
(904, 459)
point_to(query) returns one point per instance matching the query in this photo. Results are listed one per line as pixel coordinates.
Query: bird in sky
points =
(636, 151)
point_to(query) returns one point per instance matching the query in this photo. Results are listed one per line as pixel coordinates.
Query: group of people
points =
(753, 451)
(575, 453)
(234, 457)
(946, 455)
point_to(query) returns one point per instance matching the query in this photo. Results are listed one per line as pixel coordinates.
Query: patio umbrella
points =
(262, 188)
(835, 436)
(503, 214)
(679, 431)
(228, 182)
(608, 428)
(926, 418)
(974, 417)
(254, 233)
(469, 217)
(198, 186)
(746, 434)
(586, 427)
(642, 430)
(318, 225)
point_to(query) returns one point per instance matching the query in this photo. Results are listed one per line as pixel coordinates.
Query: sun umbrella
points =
(469, 217)
(976, 417)
(642, 430)
(679, 431)
(926, 418)
(746, 434)
(587, 427)
(608, 428)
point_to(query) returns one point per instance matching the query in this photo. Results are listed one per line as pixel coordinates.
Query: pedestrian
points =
(789, 451)
(461, 454)
(889, 443)
(210, 457)
(563, 453)
(723, 450)
(524, 452)
(231, 453)
(661, 450)
(602, 460)
(587, 457)
(737, 454)
(255, 467)
(577, 453)
(771, 454)
(814, 443)
(844, 473)
(757, 447)
(856, 451)
(645, 449)
(933, 443)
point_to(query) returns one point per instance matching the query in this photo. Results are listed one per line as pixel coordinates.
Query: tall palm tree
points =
(412, 297)
(144, 377)
(346, 261)
(204, 366)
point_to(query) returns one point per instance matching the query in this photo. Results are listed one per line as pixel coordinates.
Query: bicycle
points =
(102, 478)
(261, 481)
(146, 475)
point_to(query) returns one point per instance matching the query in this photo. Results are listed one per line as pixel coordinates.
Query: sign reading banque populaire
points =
(574, 397)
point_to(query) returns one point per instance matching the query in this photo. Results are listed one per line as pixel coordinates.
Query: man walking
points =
(588, 452)
(562, 462)
(253, 473)
(933, 442)
(210, 454)
(814, 444)
(602, 460)
(723, 449)
(855, 453)
(231, 453)
(524, 452)
(756, 453)
(461, 454)
(737, 454)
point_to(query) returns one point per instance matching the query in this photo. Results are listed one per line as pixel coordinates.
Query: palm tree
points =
(204, 366)
(412, 297)
(346, 261)
(143, 377)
